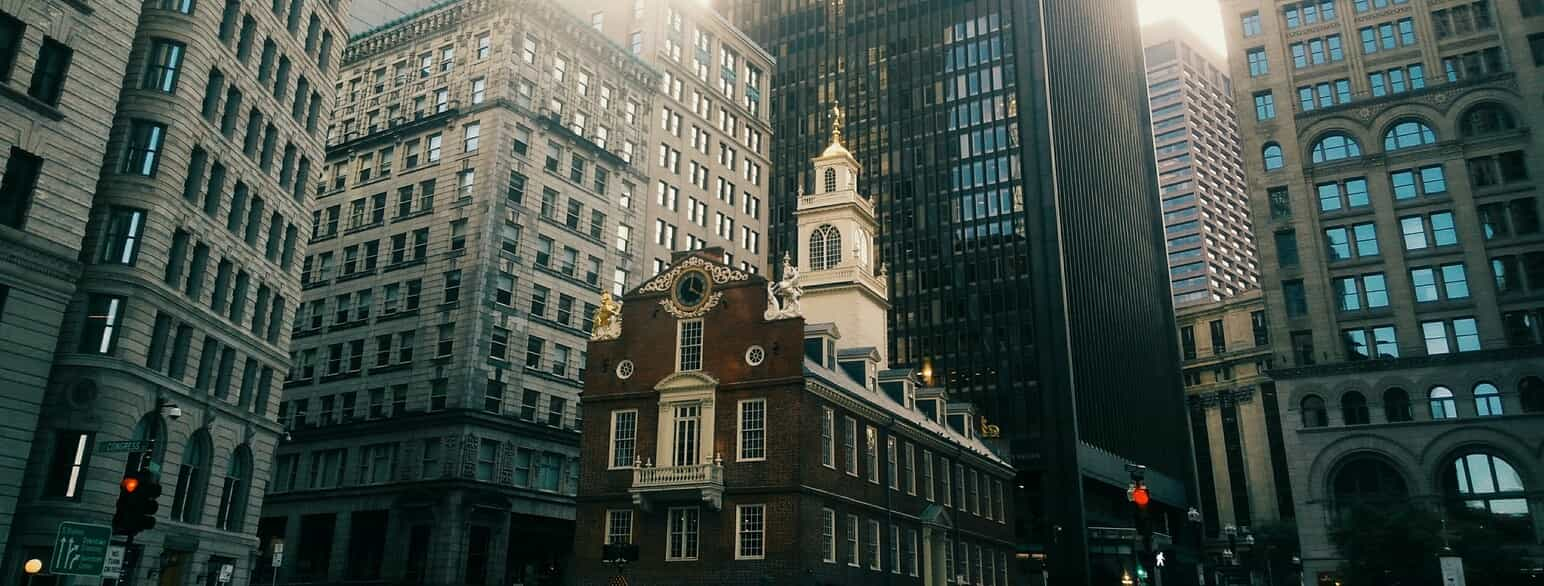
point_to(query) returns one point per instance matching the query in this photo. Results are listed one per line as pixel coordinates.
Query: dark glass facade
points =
(1008, 147)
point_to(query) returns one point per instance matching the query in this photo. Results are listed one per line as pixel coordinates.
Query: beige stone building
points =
(710, 134)
(51, 128)
(483, 187)
(1234, 415)
(1393, 180)
(191, 241)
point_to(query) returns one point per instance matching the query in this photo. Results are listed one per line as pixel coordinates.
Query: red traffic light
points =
(1139, 496)
(130, 484)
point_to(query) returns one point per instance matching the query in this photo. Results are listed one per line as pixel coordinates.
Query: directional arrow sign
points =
(80, 549)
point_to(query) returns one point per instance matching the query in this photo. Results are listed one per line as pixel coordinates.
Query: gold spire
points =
(836, 148)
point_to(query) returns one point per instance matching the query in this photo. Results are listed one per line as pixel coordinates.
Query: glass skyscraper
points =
(1008, 147)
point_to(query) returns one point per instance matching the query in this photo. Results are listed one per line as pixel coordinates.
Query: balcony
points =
(694, 483)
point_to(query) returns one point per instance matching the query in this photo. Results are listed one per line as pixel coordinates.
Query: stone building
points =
(187, 270)
(1235, 418)
(711, 136)
(733, 439)
(1393, 186)
(1206, 225)
(51, 127)
(476, 200)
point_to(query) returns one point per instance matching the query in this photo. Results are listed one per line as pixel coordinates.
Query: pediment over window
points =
(686, 381)
(935, 515)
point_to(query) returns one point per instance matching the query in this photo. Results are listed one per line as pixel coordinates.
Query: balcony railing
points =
(696, 482)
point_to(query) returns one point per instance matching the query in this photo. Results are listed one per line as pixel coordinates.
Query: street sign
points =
(1452, 569)
(112, 567)
(278, 553)
(80, 549)
(125, 446)
(226, 570)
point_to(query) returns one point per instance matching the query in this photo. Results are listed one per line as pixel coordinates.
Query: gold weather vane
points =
(836, 123)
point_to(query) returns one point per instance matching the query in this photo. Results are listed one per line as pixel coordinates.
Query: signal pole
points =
(1137, 494)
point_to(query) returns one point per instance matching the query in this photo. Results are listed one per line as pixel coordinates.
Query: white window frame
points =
(828, 528)
(910, 468)
(611, 452)
(871, 448)
(610, 515)
(875, 561)
(852, 541)
(680, 354)
(740, 431)
(850, 432)
(927, 475)
(828, 437)
(740, 532)
(670, 535)
(895, 548)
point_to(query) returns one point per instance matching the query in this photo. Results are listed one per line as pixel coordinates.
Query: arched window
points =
(1353, 408)
(233, 496)
(1366, 480)
(1487, 118)
(1442, 404)
(149, 428)
(1487, 400)
(1396, 405)
(192, 479)
(825, 247)
(1407, 134)
(1314, 414)
(830, 180)
(1273, 158)
(1335, 147)
(1483, 484)
(1532, 391)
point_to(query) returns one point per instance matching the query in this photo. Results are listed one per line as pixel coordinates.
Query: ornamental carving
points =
(721, 274)
(608, 319)
(699, 311)
(783, 296)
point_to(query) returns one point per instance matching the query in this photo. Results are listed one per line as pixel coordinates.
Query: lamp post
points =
(32, 567)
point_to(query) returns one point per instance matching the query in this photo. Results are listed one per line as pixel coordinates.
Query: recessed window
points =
(143, 153)
(1335, 147)
(49, 73)
(689, 345)
(682, 538)
(163, 66)
(1487, 400)
(104, 316)
(1442, 404)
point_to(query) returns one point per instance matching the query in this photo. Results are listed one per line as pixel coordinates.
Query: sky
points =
(1201, 16)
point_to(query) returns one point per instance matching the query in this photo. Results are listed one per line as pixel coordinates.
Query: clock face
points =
(691, 290)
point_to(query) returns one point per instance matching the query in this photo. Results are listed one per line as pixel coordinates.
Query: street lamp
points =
(32, 567)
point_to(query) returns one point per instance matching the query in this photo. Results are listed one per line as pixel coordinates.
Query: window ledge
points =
(34, 104)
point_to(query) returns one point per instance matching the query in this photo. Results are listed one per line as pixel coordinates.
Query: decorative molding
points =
(701, 310)
(720, 274)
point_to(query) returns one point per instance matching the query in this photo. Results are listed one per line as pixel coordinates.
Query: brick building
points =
(477, 199)
(736, 440)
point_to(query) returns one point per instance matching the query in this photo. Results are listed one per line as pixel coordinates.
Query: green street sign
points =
(124, 446)
(80, 549)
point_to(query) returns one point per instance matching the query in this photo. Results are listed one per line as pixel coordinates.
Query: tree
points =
(1275, 547)
(1388, 545)
(1398, 545)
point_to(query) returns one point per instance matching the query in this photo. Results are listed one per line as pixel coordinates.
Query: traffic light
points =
(137, 504)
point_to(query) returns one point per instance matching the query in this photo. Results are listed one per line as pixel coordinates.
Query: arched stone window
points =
(1353, 408)
(149, 428)
(1407, 134)
(1487, 400)
(1486, 485)
(1273, 157)
(192, 479)
(233, 495)
(825, 247)
(1366, 481)
(830, 180)
(1531, 390)
(1487, 118)
(1443, 406)
(1334, 147)
(1314, 414)
(1396, 405)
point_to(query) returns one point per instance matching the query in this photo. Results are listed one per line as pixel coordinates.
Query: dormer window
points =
(830, 180)
(689, 345)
